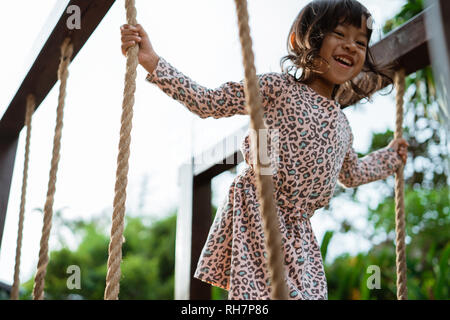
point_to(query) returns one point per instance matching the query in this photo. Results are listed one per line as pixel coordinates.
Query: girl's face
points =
(345, 50)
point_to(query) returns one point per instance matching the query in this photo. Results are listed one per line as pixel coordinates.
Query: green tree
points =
(147, 269)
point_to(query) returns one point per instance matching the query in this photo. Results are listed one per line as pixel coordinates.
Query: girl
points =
(328, 42)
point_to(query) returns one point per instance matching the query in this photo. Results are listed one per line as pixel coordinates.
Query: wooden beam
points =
(222, 156)
(42, 75)
(406, 46)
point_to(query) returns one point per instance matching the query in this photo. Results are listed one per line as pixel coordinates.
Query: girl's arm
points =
(224, 101)
(377, 165)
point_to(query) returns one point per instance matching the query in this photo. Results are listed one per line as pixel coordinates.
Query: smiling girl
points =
(328, 43)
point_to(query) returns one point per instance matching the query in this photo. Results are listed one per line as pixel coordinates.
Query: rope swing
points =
(402, 290)
(115, 245)
(31, 104)
(264, 183)
(39, 281)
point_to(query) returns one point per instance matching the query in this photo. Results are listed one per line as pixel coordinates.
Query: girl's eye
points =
(340, 34)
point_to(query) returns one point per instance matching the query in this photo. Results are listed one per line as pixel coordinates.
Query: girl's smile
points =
(344, 61)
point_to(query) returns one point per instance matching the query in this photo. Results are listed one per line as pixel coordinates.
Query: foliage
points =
(410, 9)
(427, 253)
(147, 268)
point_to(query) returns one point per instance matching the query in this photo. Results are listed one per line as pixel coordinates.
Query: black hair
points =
(317, 19)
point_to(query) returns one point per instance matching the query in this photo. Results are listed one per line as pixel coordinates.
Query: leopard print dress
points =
(310, 152)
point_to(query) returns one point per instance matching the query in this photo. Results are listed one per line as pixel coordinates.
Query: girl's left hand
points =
(401, 146)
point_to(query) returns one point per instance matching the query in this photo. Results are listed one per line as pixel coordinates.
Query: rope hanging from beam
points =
(39, 281)
(402, 290)
(115, 245)
(264, 183)
(31, 105)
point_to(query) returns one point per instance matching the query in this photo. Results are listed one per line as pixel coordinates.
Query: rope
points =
(66, 54)
(402, 290)
(31, 104)
(115, 245)
(264, 183)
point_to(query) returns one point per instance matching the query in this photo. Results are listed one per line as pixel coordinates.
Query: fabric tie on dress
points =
(293, 218)
(293, 209)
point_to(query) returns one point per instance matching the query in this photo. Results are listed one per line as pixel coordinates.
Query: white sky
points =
(200, 38)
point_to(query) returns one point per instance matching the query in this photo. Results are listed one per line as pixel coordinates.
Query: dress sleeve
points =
(376, 165)
(225, 101)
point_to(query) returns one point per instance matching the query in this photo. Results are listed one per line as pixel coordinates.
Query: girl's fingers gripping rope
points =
(128, 38)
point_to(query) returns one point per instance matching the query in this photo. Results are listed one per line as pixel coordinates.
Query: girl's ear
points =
(292, 40)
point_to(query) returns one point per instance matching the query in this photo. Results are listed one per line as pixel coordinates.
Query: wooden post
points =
(201, 222)
(184, 233)
(193, 222)
(8, 149)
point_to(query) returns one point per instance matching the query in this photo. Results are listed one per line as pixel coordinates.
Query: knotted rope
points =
(402, 290)
(66, 54)
(115, 245)
(264, 183)
(31, 104)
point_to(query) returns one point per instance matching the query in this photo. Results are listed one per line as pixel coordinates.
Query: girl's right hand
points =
(132, 35)
(400, 145)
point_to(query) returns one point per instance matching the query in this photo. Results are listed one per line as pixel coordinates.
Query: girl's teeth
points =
(343, 61)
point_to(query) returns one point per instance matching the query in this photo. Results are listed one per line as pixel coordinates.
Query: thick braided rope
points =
(402, 290)
(31, 104)
(115, 245)
(264, 183)
(66, 54)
